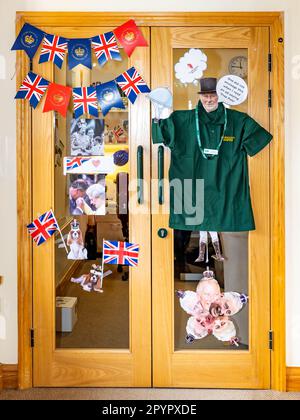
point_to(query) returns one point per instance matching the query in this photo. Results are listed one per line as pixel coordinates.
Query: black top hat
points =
(208, 85)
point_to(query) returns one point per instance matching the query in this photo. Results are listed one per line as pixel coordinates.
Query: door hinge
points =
(270, 98)
(271, 340)
(270, 62)
(32, 338)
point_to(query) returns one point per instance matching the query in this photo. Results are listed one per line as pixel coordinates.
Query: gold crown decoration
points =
(80, 52)
(108, 96)
(29, 39)
(129, 36)
(58, 98)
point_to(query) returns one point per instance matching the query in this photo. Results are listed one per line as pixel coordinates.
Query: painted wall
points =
(8, 216)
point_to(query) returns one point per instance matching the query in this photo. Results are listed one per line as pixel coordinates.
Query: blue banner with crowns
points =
(80, 53)
(29, 40)
(109, 97)
(104, 45)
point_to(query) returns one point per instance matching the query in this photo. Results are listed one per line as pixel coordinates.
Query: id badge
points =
(211, 152)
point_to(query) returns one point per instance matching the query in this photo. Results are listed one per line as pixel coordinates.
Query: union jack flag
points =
(132, 83)
(43, 228)
(118, 132)
(85, 101)
(53, 49)
(121, 253)
(73, 163)
(33, 88)
(106, 47)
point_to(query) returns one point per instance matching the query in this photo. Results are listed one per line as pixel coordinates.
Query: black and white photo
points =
(87, 137)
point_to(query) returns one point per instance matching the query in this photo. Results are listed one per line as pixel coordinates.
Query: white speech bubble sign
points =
(232, 90)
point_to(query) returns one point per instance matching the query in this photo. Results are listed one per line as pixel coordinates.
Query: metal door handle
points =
(140, 174)
(161, 165)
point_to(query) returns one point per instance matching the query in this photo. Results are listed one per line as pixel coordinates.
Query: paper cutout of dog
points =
(92, 281)
(75, 242)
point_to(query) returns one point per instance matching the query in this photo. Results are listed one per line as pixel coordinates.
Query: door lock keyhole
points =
(162, 233)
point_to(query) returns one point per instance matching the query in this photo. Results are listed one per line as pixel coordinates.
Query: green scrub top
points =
(226, 201)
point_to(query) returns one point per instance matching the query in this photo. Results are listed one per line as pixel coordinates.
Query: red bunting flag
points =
(130, 37)
(58, 99)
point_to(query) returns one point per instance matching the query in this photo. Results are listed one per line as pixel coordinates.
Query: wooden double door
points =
(133, 334)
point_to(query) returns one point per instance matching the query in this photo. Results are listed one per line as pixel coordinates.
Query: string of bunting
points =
(86, 100)
(105, 46)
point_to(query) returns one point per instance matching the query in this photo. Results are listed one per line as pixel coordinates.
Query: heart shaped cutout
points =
(96, 163)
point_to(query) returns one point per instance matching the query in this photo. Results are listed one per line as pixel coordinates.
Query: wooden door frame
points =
(274, 21)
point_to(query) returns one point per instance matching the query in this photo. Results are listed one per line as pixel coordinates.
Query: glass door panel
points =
(103, 216)
(202, 354)
(232, 273)
(88, 333)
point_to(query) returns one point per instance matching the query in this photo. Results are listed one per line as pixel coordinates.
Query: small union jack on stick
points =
(44, 227)
(119, 253)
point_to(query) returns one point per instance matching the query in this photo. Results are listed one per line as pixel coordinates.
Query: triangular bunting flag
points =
(33, 89)
(58, 99)
(29, 40)
(54, 49)
(106, 48)
(132, 83)
(80, 53)
(130, 37)
(109, 97)
(85, 101)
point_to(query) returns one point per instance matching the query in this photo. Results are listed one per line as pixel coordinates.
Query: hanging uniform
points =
(212, 147)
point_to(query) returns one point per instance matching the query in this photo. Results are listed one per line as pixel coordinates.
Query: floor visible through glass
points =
(103, 319)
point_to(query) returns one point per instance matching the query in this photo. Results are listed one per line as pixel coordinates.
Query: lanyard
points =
(209, 152)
